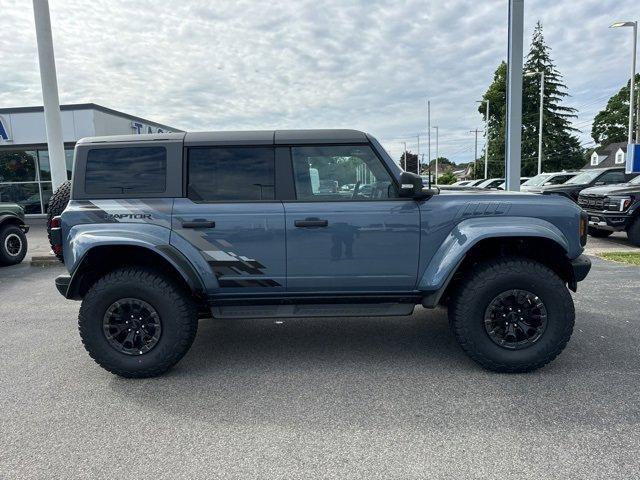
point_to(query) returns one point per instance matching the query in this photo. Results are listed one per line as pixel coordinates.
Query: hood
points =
(560, 188)
(617, 189)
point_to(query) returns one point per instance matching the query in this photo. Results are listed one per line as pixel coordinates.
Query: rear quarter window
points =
(126, 170)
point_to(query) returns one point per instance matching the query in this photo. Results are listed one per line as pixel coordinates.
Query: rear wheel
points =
(13, 245)
(512, 315)
(136, 322)
(599, 233)
(633, 232)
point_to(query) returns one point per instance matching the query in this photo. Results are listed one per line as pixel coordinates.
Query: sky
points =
(370, 65)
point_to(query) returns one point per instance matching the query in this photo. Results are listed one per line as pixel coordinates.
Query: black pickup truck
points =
(613, 208)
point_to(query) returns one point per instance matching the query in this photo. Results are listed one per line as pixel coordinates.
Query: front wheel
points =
(13, 245)
(136, 322)
(512, 315)
(633, 232)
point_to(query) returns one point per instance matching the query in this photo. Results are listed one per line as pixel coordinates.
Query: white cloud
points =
(202, 65)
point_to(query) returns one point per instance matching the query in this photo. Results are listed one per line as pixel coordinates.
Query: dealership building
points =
(25, 176)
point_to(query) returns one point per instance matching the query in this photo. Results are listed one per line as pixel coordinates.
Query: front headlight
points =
(618, 203)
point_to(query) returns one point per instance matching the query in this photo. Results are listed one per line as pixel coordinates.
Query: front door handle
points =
(311, 223)
(199, 223)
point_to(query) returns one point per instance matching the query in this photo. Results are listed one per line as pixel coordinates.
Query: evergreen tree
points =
(561, 148)
(412, 162)
(611, 124)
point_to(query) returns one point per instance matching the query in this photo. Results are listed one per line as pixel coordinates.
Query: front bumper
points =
(580, 266)
(612, 221)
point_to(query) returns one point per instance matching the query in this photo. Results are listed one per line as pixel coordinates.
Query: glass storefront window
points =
(26, 195)
(25, 178)
(17, 166)
(47, 190)
(43, 162)
(68, 159)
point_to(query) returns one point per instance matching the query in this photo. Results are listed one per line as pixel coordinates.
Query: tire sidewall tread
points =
(5, 258)
(174, 306)
(469, 304)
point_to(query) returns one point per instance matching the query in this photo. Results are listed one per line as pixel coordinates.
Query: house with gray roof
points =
(613, 155)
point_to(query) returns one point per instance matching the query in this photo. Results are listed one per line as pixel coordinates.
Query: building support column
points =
(50, 100)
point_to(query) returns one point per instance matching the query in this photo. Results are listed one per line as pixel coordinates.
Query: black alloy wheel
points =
(132, 326)
(515, 319)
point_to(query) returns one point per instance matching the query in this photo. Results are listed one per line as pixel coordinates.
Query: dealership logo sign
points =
(4, 131)
(143, 128)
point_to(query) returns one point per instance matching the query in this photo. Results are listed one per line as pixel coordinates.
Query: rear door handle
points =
(199, 224)
(311, 223)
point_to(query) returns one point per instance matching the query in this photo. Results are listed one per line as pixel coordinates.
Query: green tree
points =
(611, 124)
(412, 162)
(496, 94)
(447, 178)
(561, 148)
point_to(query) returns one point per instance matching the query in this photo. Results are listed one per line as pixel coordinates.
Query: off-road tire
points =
(176, 310)
(633, 232)
(486, 281)
(57, 203)
(9, 235)
(599, 233)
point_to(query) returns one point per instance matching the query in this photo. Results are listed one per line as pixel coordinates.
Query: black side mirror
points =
(412, 186)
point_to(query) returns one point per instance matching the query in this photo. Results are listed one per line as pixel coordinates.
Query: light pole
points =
(436, 129)
(541, 73)
(633, 72)
(513, 135)
(418, 157)
(486, 135)
(428, 134)
(475, 151)
(405, 156)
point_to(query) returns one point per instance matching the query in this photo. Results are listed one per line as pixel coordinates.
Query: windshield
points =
(537, 180)
(584, 177)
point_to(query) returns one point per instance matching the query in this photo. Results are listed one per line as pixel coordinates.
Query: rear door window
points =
(127, 170)
(231, 174)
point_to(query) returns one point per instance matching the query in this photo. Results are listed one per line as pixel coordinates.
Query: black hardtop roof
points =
(250, 137)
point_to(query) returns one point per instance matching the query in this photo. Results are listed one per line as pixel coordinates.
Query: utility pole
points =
(475, 150)
(50, 100)
(513, 134)
(437, 153)
(405, 156)
(429, 133)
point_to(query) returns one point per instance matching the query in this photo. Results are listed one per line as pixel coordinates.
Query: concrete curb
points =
(44, 260)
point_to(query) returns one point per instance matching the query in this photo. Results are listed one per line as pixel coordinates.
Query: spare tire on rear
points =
(57, 203)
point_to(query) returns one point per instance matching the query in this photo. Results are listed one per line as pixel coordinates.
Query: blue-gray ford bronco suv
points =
(162, 230)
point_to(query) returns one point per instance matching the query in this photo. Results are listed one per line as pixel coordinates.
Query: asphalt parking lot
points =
(329, 398)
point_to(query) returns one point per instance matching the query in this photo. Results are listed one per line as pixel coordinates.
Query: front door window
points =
(340, 173)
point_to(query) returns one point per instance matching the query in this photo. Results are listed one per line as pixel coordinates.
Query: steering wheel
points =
(355, 190)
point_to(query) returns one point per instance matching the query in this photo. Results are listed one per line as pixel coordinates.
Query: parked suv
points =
(587, 178)
(164, 229)
(13, 234)
(614, 208)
